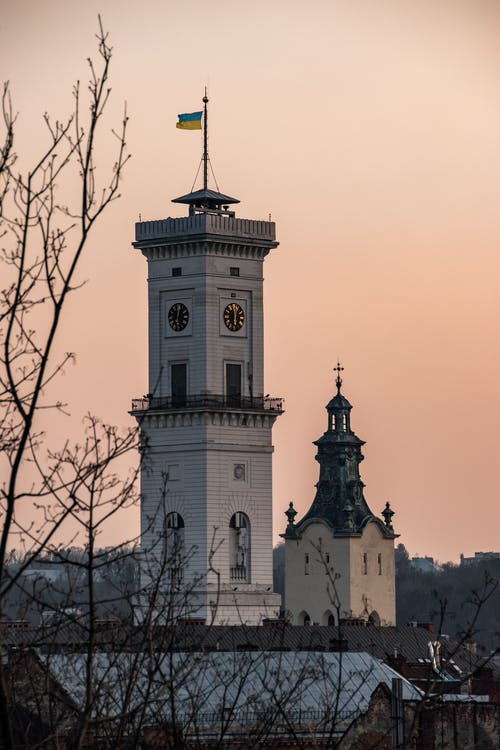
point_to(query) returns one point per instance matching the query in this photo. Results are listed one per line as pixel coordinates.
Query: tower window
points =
(365, 563)
(327, 562)
(178, 380)
(177, 271)
(379, 560)
(306, 564)
(233, 384)
(234, 271)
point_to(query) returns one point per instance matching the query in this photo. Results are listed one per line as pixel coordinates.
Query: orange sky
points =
(371, 132)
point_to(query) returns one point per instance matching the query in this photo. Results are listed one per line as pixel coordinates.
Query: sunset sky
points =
(370, 131)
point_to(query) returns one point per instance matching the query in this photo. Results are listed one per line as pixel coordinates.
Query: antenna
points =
(205, 142)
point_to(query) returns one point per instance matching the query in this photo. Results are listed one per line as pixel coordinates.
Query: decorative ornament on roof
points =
(290, 513)
(338, 379)
(387, 514)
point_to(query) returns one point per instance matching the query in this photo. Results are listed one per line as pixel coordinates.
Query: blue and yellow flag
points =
(190, 121)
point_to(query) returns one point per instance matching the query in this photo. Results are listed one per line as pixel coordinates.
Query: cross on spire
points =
(338, 379)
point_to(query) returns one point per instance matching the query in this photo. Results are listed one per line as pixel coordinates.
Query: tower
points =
(339, 558)
(206, 493)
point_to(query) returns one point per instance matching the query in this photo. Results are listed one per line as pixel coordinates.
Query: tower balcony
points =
(201, 226)
(208, 402)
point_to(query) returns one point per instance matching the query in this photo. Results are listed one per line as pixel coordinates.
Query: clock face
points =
(234, 317)
(178, 316)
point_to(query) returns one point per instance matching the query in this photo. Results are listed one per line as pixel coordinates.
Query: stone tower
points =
(206, 520)
(339, 558)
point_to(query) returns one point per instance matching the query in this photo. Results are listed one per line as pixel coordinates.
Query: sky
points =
(370, 131)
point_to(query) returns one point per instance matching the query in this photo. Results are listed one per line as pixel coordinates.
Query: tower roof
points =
(205, 198)
(338, 402)
(339, 498)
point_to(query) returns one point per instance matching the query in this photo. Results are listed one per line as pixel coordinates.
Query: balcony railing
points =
(239, 573)
(208, 401)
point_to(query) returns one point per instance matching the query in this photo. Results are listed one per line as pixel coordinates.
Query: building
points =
(193, 686)
(479, 557)
(423, 564)
(339, 558)
(206, 421)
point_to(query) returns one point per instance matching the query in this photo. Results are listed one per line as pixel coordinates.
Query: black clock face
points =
(234, 317)
(178, 316)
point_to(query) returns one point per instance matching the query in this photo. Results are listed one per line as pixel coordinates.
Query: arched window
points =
(239, 547)
(173, 547)
(328, 618)
(303, 618)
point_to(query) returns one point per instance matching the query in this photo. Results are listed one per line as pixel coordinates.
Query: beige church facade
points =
(339, 558)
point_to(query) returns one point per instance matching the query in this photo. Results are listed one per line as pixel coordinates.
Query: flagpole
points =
(205, 143)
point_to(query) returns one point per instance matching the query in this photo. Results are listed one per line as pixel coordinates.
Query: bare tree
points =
(47, 214)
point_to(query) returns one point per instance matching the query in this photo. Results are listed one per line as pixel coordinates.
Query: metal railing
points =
(208, 401)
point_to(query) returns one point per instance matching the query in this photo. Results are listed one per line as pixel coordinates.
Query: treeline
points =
(457, 599)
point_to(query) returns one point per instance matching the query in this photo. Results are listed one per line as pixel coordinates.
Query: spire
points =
(339, 408)
(205, 200)
(205, 141)
(338, 379)
(339, 498)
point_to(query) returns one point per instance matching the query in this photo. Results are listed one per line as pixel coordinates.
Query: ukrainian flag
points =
(190, 121)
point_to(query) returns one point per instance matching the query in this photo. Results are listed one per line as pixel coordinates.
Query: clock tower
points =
(206, 493)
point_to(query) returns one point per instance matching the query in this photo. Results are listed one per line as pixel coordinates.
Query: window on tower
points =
(379, 560)
(178, 381)
(365, 563)
(239, 547)
(306, 564)
(234, 271)
(176, 271)
(233, 384)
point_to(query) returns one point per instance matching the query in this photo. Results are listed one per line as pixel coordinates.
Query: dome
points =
(339, 402)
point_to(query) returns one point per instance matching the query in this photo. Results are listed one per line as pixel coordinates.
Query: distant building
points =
(479, 557)
(339, 558)
(423, 564)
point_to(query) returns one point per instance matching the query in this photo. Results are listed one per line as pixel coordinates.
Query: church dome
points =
(338, 402)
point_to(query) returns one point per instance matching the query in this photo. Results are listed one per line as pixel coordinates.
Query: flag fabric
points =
(190, 121)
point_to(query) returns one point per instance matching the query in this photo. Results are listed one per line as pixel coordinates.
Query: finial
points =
(338, 379)
(205, 98)
(387, 514)
(290, 513)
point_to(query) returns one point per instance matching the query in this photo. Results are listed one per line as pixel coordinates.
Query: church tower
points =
(206, 494)
(339, 558)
